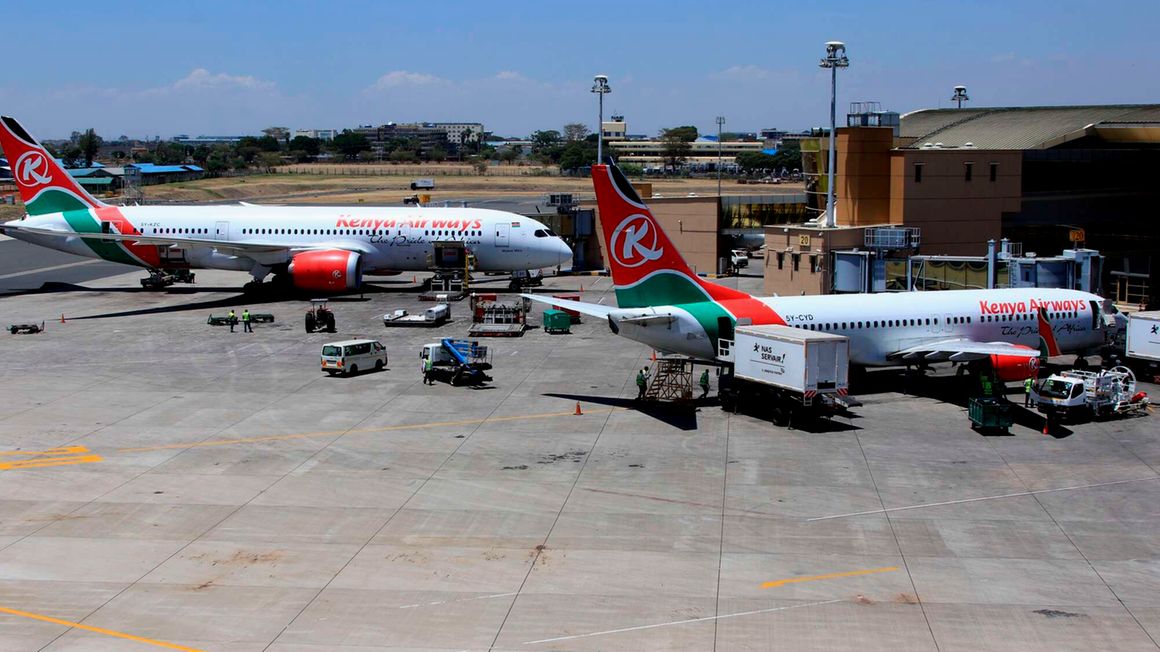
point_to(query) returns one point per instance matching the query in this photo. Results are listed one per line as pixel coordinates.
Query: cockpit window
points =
(540, 233)
(552, 233)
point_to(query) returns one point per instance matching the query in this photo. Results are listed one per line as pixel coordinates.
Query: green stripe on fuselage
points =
(82, 221)
(674, 289)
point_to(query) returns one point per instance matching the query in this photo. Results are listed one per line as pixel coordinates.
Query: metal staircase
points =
(672, 380)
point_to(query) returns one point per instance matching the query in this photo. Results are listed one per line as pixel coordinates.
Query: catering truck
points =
(791, 371)
(1143, 344)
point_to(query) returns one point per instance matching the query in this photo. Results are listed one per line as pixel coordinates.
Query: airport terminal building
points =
(1045, 177)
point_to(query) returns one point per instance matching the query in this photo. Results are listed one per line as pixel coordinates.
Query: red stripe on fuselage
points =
(756, 311)
(147, 254)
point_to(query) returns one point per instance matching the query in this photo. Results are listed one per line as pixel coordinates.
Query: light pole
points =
(835, 58)
(960, 95)
(720, 123)
(601, 88)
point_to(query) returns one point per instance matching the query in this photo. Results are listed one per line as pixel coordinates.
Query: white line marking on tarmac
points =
(49, 269)
(478, 597)
(682, 622)
(974, 500)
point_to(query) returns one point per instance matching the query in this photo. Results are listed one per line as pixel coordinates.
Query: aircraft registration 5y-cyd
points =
(324, 249)
(663, 304)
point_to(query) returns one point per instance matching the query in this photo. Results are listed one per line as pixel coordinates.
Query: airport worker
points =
(246, 328)
(428, 371)
(232, 318)
(641, 384)
(704, 383)
(1027, 392)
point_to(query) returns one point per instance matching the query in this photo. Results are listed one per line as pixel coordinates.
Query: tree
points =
(676, 145)
(269, 160)
(546, 145)
(349, 144)
(280, 134)
(307, 145)
(437, 154)
(575, 156)
(89, 144)
(72, 156)
(574, 131)
(756, 162)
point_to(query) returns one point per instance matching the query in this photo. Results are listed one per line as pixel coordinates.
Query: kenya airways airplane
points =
(318, 248)
(663, 304)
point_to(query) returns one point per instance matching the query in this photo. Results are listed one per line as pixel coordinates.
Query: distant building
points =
(317, 134)
(460, 132)
(205, 140)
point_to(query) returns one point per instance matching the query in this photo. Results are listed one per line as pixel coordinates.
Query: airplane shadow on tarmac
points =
(951, 389)
(683, 416)
(250, 299)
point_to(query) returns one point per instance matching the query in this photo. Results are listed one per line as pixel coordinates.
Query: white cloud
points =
(510, 75)
(200, 78)
(397, 78)
(742, 73)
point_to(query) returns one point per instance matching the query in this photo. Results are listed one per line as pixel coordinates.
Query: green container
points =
(989, 414)
(557, 321)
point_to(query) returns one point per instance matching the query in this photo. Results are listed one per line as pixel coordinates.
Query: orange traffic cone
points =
(62, 317)
(581, 287)
(578, 412)
(653, 356)
(1047, 426)
(414, 279)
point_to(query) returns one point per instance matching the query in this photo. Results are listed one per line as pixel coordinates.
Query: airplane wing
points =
(592, 309)
(959, 350)
(243, 248)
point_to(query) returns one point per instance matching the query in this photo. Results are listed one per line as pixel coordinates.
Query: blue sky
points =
(209, 67)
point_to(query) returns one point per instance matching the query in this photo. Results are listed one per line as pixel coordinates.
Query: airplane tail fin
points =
(45, 187)
(647, 270)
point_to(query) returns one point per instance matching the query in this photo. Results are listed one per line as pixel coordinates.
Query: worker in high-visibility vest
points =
(704, 383)
(1027, 383)
(641, 384)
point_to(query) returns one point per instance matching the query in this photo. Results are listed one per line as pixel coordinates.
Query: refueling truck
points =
(1077, 394)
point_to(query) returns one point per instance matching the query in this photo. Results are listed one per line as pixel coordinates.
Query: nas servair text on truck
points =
(320, 249)
(663, 304)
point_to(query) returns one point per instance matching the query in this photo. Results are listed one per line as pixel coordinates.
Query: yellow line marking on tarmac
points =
(334, 433)
(827, 576)
(99, 630)
(65, 456)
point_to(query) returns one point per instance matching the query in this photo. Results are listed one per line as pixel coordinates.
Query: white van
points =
(348, 356)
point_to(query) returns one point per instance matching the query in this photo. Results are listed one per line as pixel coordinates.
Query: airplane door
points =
(221, 231)
(947, 323)
(934, 326)
(501, 234)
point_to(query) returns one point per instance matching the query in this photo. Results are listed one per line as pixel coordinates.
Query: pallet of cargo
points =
(496, 330)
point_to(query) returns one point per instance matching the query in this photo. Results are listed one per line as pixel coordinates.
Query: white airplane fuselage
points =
(388, 239)
(880, 325)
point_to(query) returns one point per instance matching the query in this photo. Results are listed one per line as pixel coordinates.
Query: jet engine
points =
(1010, 368)
(326, 270)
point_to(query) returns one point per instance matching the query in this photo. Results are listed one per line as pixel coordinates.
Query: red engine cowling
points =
(1014, 367)
(328, 270)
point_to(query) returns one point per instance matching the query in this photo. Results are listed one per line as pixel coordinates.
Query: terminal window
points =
(994, 171)
(969, 168)
(918, 172)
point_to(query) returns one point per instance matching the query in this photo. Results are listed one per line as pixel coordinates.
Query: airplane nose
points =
(564, 254)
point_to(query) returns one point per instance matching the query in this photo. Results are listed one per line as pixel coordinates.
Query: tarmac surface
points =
(166, 484)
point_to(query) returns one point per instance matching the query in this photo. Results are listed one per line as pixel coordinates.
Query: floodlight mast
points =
(960, 95)
(835, 58)
(720, 123)
(601, 88)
